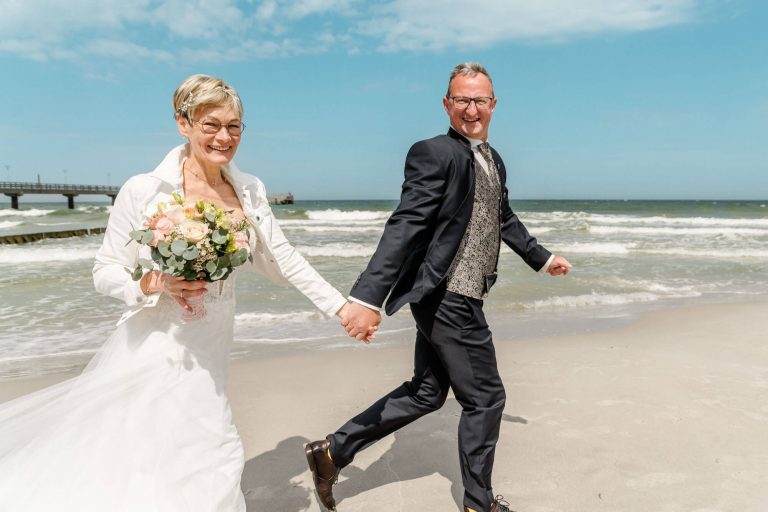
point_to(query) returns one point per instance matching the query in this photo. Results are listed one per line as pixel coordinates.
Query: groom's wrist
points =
(363, 303)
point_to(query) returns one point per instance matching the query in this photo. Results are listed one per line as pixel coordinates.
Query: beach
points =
(665, 413)
(639, 382)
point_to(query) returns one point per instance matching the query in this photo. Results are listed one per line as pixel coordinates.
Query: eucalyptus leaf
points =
(137, 273)
(224, 262)
(211, 266)
(147, 237)
(164, 248)
(137, 235)
(219, 274)
(210, 216)
(178, 247)
(238, 258)
(145, 263)
(191, 253)
(220, 236)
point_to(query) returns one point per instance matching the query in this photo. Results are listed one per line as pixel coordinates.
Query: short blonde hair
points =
(202, 91)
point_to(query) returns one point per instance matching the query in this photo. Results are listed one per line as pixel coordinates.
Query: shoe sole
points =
(313, 469)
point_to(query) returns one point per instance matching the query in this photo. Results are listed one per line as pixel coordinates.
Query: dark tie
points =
(485, 150)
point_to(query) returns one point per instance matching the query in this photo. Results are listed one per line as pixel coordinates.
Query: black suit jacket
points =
(422, 236)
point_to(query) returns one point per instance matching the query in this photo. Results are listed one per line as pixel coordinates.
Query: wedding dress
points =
(146, 427)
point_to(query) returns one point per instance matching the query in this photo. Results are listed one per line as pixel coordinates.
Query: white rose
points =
(193, 231)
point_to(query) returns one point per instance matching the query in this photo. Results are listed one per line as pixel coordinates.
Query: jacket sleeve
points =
(516, 236)
(420, 200)
(277, 259)
(118, 256)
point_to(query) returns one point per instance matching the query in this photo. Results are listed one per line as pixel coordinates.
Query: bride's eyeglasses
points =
(213, 127)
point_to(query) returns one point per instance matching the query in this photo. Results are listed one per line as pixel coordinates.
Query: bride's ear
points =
(183, 125)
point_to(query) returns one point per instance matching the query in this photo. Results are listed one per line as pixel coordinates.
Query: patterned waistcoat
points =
(478, 251)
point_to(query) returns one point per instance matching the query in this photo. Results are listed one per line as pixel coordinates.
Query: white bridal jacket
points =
(273, 255)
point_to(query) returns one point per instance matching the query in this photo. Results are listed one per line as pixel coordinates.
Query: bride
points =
(147, 426)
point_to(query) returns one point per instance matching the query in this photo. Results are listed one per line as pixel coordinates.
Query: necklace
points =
(202, 178)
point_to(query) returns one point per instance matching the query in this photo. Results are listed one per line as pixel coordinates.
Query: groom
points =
(439, 252)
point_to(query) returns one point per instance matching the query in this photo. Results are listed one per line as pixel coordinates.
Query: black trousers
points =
(454, 349)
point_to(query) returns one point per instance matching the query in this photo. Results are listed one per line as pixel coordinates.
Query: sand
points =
(668, 414)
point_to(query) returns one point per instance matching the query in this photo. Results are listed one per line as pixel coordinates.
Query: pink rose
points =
(241, 240)
(164, 225)
(157, 236)
(176, 214)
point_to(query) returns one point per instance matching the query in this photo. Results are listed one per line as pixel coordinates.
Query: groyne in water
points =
(34, 237)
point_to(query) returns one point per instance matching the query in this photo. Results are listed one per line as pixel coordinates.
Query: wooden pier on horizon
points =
(15, 189)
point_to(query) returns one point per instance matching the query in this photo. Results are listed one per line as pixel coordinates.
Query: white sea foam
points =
(9, 212)
(334, 214)
(603, 299)
(711, 253)
(597, 248)
(337, 250)
(9, 224)
(92, 208)
(36, 254)
(340, 229)
(315, 222)
(608, 230)
(293, 317)
(535, 218)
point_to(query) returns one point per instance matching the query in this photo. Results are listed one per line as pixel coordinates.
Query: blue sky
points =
(598, 99)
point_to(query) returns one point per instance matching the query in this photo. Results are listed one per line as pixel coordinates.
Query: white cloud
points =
(245, 29)
(199, 19)
(438, 24)
(303, 8)
(123, 50)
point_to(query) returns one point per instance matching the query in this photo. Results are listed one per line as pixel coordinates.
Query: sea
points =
(629, 257)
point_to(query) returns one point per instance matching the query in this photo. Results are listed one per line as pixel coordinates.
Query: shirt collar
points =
(473, 143)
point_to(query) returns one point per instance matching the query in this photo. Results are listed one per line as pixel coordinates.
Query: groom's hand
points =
(360, 322)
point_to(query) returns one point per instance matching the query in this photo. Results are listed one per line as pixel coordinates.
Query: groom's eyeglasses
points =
(481, 102)
(213, 127)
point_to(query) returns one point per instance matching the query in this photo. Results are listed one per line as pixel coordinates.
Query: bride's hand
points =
(177, 287)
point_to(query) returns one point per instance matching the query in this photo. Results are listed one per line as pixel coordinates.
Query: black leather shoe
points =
(324, 471)
(498, 505)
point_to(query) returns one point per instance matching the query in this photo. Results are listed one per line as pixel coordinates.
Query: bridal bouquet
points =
(192, 240)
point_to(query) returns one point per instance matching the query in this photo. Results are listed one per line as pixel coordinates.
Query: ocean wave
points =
(9, 224)
(10, 212)
(339, 250)
(654, 220)
(603, 299)
(277, 318)
(609, 230)
(316, 222)
(334, 214)
(342, 229)
(36, 254)
(711, 253)
(597, 248)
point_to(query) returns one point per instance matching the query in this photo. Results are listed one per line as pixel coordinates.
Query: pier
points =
(281, 198)
(14, 190)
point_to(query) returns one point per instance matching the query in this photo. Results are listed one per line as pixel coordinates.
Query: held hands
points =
(177, 287)
(359, 321)
(559, 266)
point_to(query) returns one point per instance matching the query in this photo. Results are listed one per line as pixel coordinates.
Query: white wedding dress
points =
(145, 428)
